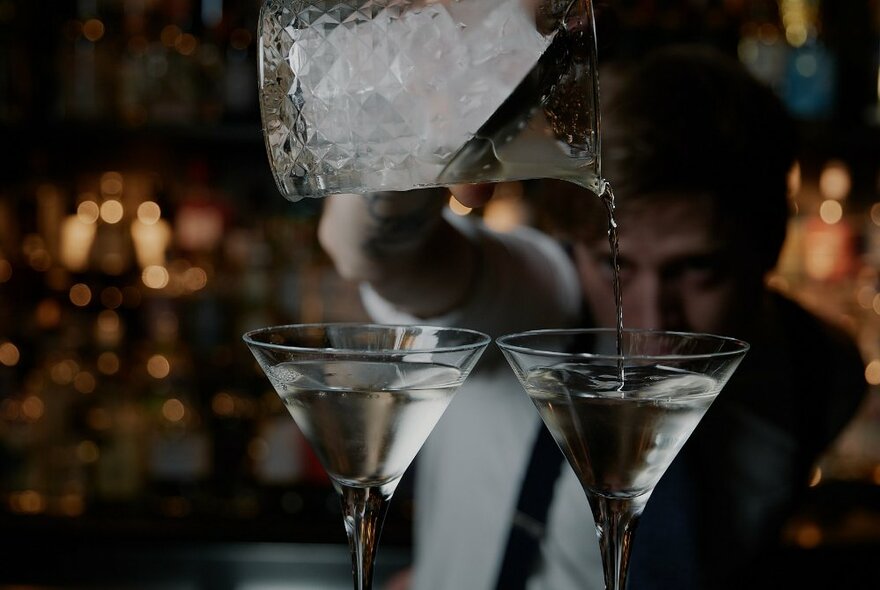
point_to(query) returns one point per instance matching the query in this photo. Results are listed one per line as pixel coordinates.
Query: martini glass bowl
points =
(620, 435)
(365, 397)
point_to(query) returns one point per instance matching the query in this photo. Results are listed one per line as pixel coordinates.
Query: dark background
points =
(139, 445)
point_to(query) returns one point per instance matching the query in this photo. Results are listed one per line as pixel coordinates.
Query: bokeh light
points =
(155, 277)
(158, 366)
(830, 211)
(93, 30)
(108, 363)
(835, 181)
(88, 211)
(173, 410)
(872, 372)
(9, 354)
(80, 295)
(149, 212)
(112, 211)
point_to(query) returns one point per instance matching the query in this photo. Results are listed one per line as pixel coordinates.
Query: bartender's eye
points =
(701, 270)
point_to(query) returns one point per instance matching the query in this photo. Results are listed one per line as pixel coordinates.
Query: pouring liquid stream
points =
(607, 196)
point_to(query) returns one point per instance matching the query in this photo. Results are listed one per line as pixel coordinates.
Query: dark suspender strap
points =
(530, 519)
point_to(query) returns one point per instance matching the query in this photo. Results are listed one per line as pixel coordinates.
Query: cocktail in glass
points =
(620, 436)
(366, 397)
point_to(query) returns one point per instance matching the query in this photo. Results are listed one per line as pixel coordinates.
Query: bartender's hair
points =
(690, 120)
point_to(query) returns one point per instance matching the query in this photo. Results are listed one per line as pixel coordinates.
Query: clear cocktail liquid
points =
(365, 429)
(620, 440)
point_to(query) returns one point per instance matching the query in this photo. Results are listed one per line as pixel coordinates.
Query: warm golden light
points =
(808, 535)
(84, 382)
(872, 372)
(9, 354)
(64, 371)
(27, 502)
(48, 313)
(794, 179)
(798, 17)
(150, 240)
(875, 213)
(155, 277)
(77, 237)
(158, 366)
(456, 207)
(111, 184)
(195, 278)
(835, 181)
(108, 328)
(5, 271)
(223, 404)
(173, 410)
(32, 408)
(40, 260)
(111, 297)
(865, 296)
(504, 215)
(830, 211)
(796, 36)
(112, 211)
(87, 452)
(816, 477)
(149, 212)
(169, 35)
(108, 363)
(80, 295)
(108, 321)
(72, 504)
(186, 44)
(88, 212)
(93, 29)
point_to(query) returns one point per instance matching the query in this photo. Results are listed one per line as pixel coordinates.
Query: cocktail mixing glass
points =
(361, 96)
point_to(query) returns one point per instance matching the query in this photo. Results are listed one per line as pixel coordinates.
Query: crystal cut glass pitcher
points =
(360, 96)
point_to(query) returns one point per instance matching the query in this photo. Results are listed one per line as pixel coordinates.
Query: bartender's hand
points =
(402, 246)
(472, 195)
(402, 580)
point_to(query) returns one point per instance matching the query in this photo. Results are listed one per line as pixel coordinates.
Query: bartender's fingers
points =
(402, 580)
(472, 195)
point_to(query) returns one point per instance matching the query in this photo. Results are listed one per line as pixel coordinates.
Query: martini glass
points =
(620, 436)
(366, 397)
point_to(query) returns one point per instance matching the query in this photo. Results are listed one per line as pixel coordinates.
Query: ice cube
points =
(681, 385)
(380, 83)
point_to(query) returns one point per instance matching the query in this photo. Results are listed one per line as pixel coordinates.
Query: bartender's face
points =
(677, 270)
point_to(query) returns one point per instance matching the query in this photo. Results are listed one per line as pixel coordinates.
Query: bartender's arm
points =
(402, 246)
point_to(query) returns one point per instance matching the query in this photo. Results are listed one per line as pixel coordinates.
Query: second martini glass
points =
(620, 437)
(366, 397)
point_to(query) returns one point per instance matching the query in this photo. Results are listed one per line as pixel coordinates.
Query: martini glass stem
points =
(363, 509)
(616, 520)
